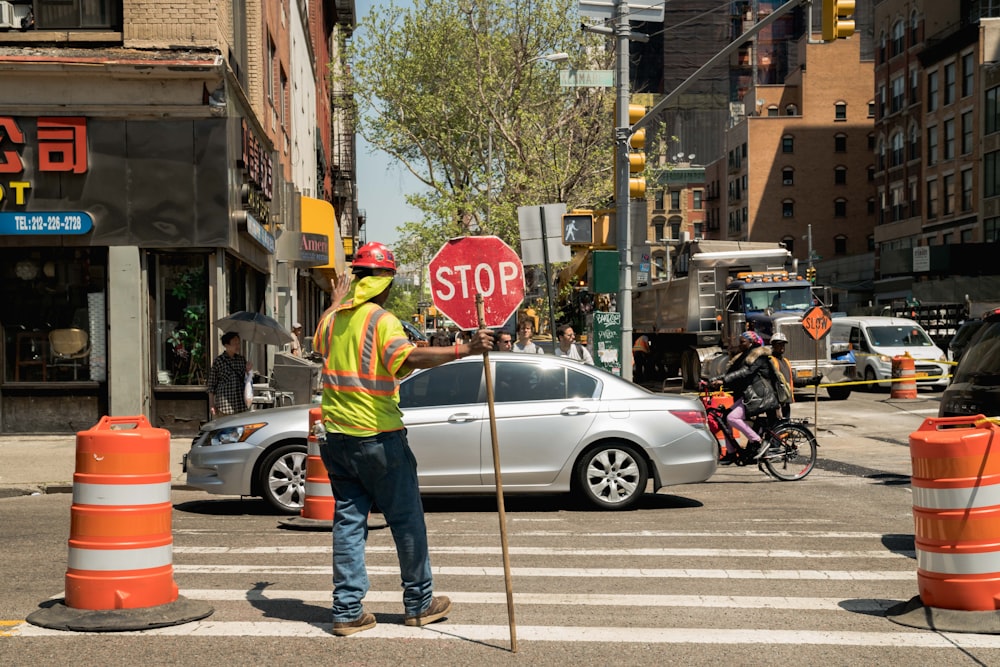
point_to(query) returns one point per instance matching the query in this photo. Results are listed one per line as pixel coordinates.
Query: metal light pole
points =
(623, 236)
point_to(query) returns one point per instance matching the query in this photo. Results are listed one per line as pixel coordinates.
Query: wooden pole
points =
(480, 311)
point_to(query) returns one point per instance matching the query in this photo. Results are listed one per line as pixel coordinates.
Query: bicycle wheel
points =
(792, 452)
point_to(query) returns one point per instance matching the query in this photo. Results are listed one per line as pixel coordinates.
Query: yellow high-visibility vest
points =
(363, 348)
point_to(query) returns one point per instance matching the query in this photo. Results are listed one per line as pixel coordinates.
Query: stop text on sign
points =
(467, 280)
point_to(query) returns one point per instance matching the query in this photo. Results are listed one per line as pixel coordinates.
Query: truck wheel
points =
(690, 369)
(838, 393)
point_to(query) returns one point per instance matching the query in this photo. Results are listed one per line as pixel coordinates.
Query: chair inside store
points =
(69, 348)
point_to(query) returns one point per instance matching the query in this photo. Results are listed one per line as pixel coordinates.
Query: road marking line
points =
(610, 573)
(568, 551)
(603, 634)
(587, 600)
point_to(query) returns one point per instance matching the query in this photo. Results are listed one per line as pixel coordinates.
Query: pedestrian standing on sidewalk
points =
(366, 453)
(227, 379)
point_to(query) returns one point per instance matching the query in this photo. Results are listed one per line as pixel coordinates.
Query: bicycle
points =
(789, 446)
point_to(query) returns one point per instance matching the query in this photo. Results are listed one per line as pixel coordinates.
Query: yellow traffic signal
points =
(811, 274)
(838, 19)
(637, 158)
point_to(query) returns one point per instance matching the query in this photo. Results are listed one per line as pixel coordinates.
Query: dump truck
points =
(716, 290)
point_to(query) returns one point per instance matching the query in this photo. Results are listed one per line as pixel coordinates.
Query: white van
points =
(876, 340)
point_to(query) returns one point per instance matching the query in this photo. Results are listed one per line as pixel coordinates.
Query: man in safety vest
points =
(366, 453)
(781, 365)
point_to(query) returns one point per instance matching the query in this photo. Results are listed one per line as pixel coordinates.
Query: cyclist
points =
(751, 377)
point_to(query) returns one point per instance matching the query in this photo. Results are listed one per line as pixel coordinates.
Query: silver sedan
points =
(561, 427)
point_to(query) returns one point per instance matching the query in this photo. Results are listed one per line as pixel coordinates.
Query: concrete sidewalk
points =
(46, 463)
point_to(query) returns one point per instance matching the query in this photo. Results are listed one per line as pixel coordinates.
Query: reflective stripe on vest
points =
(364, 378)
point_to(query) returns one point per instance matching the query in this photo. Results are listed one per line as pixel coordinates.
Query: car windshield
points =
(899, 336)
(789, 298)
(982, 357)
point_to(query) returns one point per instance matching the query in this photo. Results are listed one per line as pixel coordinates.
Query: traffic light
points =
(811, 274)
(578, 228)
(637, 157)
(838, 19)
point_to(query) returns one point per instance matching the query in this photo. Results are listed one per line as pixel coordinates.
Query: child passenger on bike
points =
(750, 377)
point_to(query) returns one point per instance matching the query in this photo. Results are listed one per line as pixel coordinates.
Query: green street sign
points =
(594, 78)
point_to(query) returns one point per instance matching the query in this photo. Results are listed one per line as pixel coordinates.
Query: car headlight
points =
(885, 359)
(231, 434)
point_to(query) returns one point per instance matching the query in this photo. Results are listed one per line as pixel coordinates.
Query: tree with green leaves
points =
(460, 94)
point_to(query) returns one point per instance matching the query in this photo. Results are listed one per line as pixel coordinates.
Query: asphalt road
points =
(739, 570)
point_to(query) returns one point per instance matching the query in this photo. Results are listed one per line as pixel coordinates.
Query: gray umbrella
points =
(255, 328)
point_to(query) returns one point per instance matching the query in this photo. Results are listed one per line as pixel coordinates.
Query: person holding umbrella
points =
(227, 378)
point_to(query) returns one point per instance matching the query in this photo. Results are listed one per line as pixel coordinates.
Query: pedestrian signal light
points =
(578, 228)
(637, 156)
(838, 19)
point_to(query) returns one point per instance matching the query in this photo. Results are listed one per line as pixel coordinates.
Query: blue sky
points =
(382, 182)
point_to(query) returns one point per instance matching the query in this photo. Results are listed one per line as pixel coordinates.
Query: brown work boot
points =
(438, 609)
(364, 622)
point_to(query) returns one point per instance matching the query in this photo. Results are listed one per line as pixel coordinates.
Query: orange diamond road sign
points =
(817, 322)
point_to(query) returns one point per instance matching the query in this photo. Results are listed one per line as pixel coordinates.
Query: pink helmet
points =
(374, 255)
(752, 337)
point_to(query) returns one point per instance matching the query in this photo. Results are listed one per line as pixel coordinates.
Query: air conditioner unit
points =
(787, 181)
(7, 19)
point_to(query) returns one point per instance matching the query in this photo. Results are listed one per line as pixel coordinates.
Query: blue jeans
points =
(379, 469)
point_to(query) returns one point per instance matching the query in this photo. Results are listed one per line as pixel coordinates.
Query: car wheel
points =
(611, 476)
(838, 393)
(282, 478)
(870, 377)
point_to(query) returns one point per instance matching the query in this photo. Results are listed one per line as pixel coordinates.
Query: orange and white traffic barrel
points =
(121, 541)
(318, 504)
(956, 517)
(904, 376)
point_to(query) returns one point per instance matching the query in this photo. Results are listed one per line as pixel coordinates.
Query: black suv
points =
(975, 389)
(961, 339)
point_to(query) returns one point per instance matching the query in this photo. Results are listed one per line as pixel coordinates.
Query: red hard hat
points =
(374, 255)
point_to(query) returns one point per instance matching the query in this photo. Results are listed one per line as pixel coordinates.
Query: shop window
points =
(54, 325)
(181, 319)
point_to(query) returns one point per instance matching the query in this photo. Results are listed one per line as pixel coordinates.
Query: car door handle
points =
(461, 418)
(573, 410)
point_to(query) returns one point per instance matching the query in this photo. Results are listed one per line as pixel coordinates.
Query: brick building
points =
(159, 169)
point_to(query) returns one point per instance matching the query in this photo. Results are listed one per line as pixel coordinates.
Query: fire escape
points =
(343, 149)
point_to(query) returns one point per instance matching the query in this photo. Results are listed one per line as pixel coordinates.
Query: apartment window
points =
(991, 174)
(932, 145)
(896, 201)
(788, 176)
(898, 44)
(949, 194)
(967, 138)
(991, 230)
(897, 154)
(949, 139)
(932, 198)
(787, 208)
(840, 245)
(658, 229)
(791, 110)
(675, 200)
(898, 100)
(72, 15)
(880, 98)
(772, 111)
(949, 83)
(881, 47)
(966, 190)
(871, 108)
(968, 74)
(992, 119)
(880, 154)
(914, 24)
(871, 141)
(914, 86)
(840, 208)
(788, 144)
(871, 173)
(696, 196)
(966, 236)
(932, 91)
(840, 176)
(271, 59)
(658, 200)
(840, 111)
(871, 206)
(913, 152)
(840, 143)
(914, 199)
